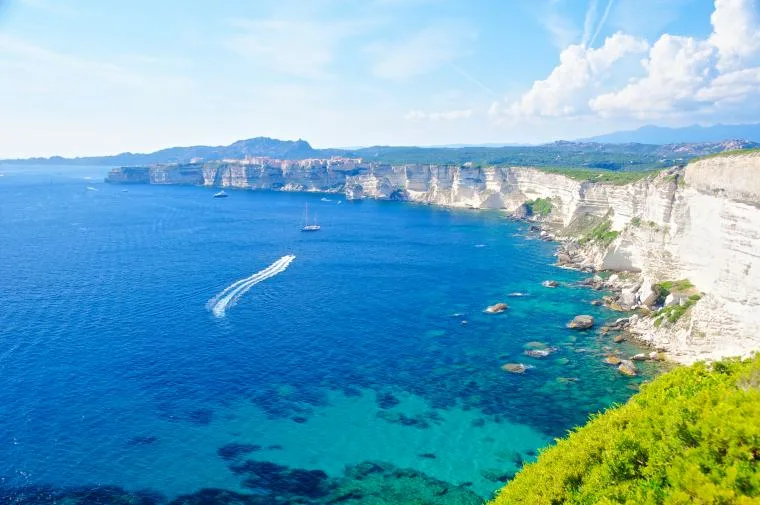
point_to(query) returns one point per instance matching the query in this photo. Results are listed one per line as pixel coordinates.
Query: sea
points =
(159, 343)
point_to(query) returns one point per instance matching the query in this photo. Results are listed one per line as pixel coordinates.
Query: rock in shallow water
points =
(612, 360)
(550, 284)
(581, 322)
(514, 368)
(539, 353)
(627, 368)
(496, 308)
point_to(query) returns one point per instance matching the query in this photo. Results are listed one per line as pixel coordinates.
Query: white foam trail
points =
(221, 301)
(232, 293)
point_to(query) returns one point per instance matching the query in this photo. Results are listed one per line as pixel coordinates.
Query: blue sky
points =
(90, 77)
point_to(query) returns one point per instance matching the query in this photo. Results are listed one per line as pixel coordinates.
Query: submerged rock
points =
(415, 421)
(612, 360)
(618, 339)
(233, 451)
(514, 367)
(534, 345)
(496, 308)
(211, 496)
(627, 368)
(539, 353)
(582, 322)
(379, 483)
(387, 400)
(496, 475)
(283, 480)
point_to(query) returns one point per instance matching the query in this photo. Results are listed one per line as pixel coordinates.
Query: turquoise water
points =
(370, 346)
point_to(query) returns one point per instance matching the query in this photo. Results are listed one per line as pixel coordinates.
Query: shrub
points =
(636, 221)
(691, 436)
(540, 206)
(602, 234)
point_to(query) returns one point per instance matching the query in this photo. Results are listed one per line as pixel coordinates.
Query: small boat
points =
(90, 188)
(309, 227)
(221, 194)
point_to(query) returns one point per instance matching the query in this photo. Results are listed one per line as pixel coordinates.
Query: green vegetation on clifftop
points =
(735, 152)
(691, 436)
(618, 178)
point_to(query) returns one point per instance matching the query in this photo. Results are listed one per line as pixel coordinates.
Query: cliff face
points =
(701, 223)
(709, 234)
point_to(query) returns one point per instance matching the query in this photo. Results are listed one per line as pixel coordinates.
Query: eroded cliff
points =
(700, 223)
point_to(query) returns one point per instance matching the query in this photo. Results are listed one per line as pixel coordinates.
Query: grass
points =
(735, 152)
(691, 436)
(617, 178)
(679, 286)
(600, 234)
(674, 312)
(540, 206)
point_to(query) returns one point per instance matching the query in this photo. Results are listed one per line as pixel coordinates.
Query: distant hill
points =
(594, 155)
(688, 134)
(259, 146)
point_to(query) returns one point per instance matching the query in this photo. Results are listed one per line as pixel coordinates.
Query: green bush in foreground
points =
(691, 436)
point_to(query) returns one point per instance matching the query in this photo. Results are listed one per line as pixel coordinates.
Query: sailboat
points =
(307, 226)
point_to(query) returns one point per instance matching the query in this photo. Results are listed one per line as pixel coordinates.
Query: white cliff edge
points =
(700, 223)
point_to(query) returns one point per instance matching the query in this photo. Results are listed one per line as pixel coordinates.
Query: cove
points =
(371, 347)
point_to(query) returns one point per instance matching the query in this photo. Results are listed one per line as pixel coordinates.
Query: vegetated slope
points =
(588, 155)
(691, 436)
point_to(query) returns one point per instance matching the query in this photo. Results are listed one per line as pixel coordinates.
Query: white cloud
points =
(449, 115)
(680, 77)
(676, 69)
(420, 53)
(588, 22)
(567, 89)
(736, 33)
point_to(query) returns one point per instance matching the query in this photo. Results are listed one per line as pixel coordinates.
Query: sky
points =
(88, 77)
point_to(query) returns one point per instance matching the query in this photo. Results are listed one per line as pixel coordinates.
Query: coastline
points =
(689, 226)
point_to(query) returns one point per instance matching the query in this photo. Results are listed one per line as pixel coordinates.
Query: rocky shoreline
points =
(631, 295)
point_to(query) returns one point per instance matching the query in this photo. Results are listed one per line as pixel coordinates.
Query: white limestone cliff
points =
(701, 223)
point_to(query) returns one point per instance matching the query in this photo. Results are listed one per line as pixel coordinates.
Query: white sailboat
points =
(307, 226)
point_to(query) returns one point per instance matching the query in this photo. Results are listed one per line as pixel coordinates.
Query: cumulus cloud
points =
(677, 75)
(449, 115)
(580, 73)
(676, 69)
(736, 33)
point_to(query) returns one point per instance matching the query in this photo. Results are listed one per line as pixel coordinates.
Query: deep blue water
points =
(114, 372)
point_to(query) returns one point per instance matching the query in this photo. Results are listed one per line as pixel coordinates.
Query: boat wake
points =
(230, 295)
